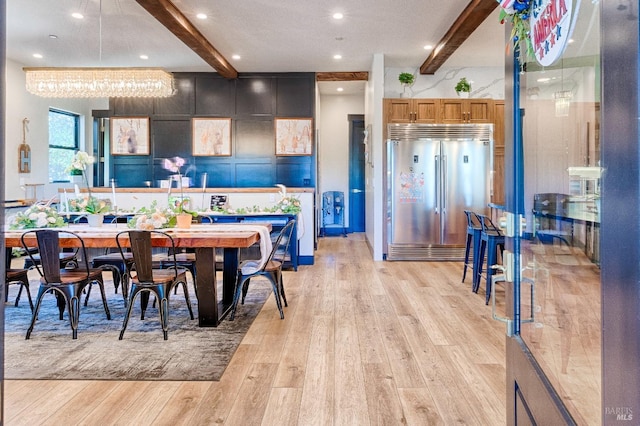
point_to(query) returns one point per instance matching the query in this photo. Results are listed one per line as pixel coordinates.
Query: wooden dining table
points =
(203, 238)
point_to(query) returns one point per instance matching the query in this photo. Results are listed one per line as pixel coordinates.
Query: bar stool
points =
(491, 238)
(474, 228)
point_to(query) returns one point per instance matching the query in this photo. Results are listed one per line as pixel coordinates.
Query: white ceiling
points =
(270, 36)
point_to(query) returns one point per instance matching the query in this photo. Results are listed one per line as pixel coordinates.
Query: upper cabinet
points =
(411, 110)
(466, 111)
(432, 111)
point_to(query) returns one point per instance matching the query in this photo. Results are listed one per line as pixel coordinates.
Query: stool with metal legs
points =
(491, 238)
(474, 228)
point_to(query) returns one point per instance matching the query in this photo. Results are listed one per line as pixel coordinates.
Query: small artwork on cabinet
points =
(211, 136)
(130, 136)
(294, 136)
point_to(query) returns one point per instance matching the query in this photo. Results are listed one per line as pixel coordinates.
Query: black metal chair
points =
(272, 270)
(474, 230)
(145, 280)
(66, 283)
(112, 261)
(491, 239)
(16, 276)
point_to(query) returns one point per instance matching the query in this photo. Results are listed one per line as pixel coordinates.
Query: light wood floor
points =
(362, 343)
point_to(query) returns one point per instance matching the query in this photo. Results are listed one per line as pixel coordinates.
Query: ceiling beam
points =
(471, 17)
(342, 76)
(172, 18)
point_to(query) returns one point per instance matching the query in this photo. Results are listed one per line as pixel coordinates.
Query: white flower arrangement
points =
(79, 163)
(150, 218)
(37, 216)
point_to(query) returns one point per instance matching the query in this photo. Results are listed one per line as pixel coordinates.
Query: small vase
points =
(183, 220)
(463, 95)
(76, 179)
(95, 220)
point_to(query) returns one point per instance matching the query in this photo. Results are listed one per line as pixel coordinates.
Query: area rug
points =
(191, 353)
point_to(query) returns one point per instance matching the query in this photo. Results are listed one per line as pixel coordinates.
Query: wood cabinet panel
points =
(411, 110)
(397, 110)
(455, 111)
(498, 153)
(426, 110)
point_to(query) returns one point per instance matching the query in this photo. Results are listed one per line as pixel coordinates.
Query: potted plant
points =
(183, 216)
(406, 79)
(94, 208)
(463, 88)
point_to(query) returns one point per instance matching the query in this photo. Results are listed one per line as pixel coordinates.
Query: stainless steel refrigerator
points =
(434, 173)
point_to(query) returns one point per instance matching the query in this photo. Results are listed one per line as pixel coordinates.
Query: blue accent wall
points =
(252, 101)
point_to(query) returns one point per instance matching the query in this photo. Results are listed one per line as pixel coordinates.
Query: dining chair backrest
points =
(281, 245)
(49, 250)
(139, 241)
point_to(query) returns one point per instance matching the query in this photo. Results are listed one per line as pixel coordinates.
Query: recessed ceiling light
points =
(201, 16)
(338, 15)
(53, 36)
(37, 55)
(337, 56)
(428, 47)
(543, 80)
(570, 40)
(339, 89)
(77, 15)
(236, 57)
(144, 57)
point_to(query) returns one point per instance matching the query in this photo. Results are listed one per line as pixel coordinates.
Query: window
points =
(64, 141)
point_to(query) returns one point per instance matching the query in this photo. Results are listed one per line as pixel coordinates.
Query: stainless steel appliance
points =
(434, 173)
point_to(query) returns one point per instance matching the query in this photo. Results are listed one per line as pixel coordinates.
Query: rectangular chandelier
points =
(99, 82)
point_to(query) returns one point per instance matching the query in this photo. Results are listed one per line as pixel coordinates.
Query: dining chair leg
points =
(134, 292)
(34, 315)
(104, 299)
(236, 298)
(276, 294)
(186, 298)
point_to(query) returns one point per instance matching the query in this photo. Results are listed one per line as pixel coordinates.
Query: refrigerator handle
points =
(444, 184)
(437, 182)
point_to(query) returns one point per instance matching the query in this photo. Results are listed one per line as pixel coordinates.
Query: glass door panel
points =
(562, 204)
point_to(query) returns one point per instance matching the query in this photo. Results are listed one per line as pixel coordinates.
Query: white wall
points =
(333, 148)
(19, 105)
(486, 82)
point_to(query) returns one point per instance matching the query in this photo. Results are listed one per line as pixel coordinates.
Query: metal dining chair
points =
(272, 270)
(146, 280)
(66, 283)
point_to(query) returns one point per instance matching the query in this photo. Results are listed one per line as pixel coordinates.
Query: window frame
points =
(76, 136)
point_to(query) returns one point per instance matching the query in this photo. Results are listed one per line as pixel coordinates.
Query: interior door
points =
(356, 174)
(552, 286)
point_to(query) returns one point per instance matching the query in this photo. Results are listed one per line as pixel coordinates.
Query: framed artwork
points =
(294, 136)
(129, 135)
(211, 136)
